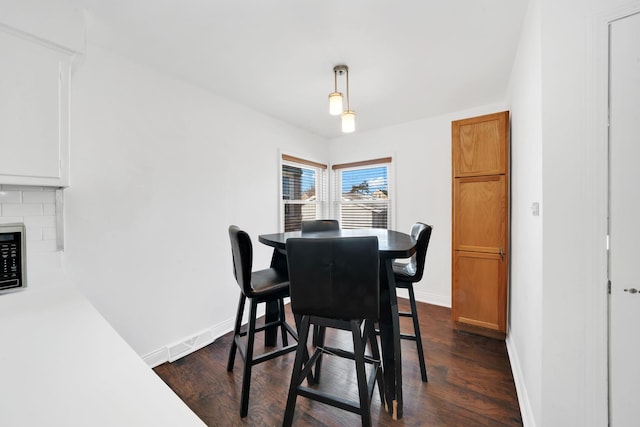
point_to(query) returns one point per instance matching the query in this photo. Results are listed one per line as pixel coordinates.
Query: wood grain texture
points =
(478, 145)
(470, 382)
(478, 291)
(480, 213)
(480, 223)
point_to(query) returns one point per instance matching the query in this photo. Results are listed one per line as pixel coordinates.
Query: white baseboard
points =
(194, 343)
(428, 297)
(188, 345)
(157, 357)
(521, 390)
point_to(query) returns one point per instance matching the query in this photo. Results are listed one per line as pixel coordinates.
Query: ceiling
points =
(407, 59)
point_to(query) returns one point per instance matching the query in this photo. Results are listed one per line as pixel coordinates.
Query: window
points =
(304, 192)
(361, 196)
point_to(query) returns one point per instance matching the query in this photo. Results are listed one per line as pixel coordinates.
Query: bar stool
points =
(269, 285)
(314, 225)
(406, 274)
(334, 283)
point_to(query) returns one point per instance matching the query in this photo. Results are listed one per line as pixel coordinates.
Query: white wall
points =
(574, 380)
(558, 302)
(159, 170)
(525, 294)
(566, 226)
(421, 153)
(57, 21)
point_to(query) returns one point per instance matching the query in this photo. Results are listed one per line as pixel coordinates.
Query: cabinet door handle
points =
(501, 253)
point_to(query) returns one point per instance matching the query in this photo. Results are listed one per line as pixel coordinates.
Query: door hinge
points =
(609, 287)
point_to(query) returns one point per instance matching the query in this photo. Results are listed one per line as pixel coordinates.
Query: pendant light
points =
(335, 100)
(335, 97)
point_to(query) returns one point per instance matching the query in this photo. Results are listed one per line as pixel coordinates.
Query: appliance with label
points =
(13, 267)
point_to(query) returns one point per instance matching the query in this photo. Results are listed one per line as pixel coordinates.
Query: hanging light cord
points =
(348, 108)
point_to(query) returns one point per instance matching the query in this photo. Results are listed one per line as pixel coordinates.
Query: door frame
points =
(597, 296)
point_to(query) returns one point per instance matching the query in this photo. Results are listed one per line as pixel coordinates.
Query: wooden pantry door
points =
(480, 223)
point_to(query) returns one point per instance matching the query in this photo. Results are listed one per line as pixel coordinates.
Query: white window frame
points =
(321, 201)
(336, 194)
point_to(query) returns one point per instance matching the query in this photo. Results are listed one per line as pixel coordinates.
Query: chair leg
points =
(246, 375)
(282, 318)
(301, 354)
(320, 332)
(416, 329)
(236, 332)
(371, 335)
(363, 390)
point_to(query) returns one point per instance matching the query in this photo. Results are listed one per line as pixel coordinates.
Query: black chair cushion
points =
(268, 282)
(404, 270)
(336, 278)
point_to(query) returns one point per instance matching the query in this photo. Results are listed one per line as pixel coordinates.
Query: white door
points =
(624, 222)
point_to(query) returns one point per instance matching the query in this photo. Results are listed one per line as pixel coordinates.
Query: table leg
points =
(390, 341)
(386, 342)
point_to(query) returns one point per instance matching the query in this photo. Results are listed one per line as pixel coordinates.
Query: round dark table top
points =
(391, 244)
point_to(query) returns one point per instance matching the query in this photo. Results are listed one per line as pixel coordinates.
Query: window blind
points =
(361, 194)
(304, 191)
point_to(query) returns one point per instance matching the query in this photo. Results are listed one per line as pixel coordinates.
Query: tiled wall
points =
(36, 208)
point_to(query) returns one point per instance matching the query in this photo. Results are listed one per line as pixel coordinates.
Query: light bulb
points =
(348, 121)
(335, 103)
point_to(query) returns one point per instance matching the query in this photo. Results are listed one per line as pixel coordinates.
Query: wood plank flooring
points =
(470, 382)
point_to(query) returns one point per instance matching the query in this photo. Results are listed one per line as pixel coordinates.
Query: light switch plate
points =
(535, 209)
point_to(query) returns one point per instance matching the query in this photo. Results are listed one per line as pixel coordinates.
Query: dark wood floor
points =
(470, 383)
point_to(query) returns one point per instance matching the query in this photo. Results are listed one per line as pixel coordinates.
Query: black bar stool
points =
(314, 225)
(334, 283)
(269, 285)
(406, 274)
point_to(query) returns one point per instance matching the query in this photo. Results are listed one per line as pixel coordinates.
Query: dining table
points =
(391, 245)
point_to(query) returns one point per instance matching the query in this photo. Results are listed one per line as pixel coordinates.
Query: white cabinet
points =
(38, 41)
(34, 111)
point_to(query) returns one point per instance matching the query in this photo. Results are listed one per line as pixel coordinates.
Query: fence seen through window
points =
(360, 197)
(304, 194)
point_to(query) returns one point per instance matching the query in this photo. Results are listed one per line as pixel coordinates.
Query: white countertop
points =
(62, 364)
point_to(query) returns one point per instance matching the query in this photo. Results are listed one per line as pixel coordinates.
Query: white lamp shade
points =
(348, 121)
(335, 103)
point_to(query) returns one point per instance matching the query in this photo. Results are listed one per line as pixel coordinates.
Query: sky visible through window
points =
(376, 178)
(371, 179)
(308, 179)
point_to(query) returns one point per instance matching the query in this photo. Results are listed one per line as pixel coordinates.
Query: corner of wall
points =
(526, 412)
